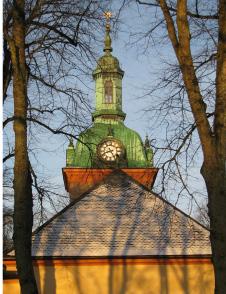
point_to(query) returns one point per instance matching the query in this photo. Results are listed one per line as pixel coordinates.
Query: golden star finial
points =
(107, 41)
(107, 15)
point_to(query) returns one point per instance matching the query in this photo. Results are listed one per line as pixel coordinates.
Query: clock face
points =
(109, 150)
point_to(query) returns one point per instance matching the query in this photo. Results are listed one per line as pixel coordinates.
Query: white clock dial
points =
(110, 150)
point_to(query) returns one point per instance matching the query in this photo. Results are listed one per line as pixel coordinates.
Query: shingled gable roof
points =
(120, 217)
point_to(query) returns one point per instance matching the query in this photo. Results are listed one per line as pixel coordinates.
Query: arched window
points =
(108, 92)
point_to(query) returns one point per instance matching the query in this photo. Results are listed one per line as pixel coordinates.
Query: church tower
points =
(108, 144)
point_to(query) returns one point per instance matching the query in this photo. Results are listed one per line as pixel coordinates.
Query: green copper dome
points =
(108, 64)
(85, 153)
(121, 146)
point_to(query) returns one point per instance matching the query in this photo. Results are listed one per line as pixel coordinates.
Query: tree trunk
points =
(214, 174)
(23, 215)
(216, 179)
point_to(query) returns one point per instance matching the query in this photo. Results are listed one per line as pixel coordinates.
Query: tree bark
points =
(23, 214)
(213, 172)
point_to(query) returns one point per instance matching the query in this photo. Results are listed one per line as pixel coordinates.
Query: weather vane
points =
(108, 15)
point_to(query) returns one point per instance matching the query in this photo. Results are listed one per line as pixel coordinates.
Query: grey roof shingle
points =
(120, 217)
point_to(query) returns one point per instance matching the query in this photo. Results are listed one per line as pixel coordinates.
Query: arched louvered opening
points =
(108, 92)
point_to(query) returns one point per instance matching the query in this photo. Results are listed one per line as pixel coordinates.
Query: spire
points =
(108, 77)
(147, 142)
(148, 150)
(70, 153)
(107, 40)
(71, 145)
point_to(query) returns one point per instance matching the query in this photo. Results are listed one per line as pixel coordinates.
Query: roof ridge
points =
(95, 186)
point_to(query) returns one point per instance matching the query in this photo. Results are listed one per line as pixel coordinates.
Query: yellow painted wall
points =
(131, 278)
